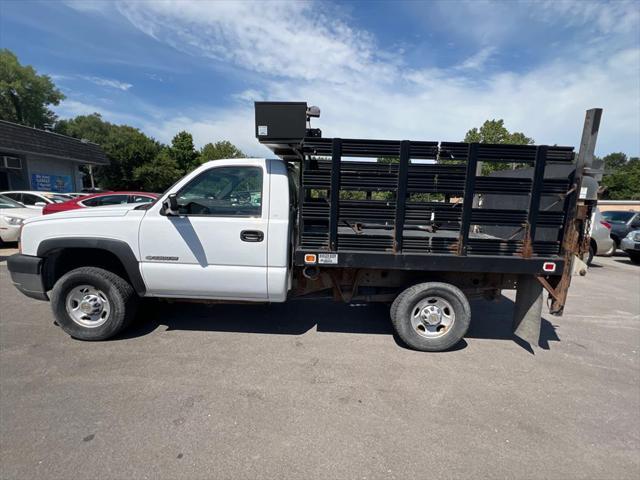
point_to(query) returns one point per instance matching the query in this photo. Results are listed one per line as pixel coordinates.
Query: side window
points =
(111, 200)
(106, 200)
(90, 202)
(140, 199)
(14, 196)
(223, 191)
(29, 199)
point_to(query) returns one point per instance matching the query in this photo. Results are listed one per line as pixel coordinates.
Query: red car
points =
(101, 199)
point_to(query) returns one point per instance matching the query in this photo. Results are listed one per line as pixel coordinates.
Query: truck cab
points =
(227, 239)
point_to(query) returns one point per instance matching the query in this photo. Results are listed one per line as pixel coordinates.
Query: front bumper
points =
(26, 275)
(629, 245)
(10, 233)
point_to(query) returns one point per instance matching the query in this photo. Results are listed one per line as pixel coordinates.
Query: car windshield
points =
(618, 217)
(59, 198)
(6, 202)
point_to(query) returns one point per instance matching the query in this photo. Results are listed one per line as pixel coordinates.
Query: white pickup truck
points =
(265, 230)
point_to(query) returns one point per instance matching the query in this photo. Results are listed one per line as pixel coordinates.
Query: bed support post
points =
(527, 313)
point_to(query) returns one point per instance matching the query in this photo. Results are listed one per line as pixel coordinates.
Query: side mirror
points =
(39, 204)
(170, 205)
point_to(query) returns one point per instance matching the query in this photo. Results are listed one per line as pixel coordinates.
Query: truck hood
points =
(97, 212)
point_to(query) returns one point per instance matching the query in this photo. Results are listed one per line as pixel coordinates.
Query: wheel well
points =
(616, 239)
(59, 262)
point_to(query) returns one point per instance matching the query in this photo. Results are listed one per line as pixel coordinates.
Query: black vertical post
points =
(536, 190)
(334, 192)
(401, 194)
(469, 193)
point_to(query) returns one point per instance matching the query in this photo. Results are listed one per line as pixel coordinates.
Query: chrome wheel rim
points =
(432, 317)
(88, 306)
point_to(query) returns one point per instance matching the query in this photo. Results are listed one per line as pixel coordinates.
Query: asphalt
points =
(321, 390)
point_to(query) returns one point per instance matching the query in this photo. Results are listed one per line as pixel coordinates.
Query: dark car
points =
(622, 222)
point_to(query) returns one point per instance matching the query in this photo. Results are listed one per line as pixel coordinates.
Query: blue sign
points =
(51, 183)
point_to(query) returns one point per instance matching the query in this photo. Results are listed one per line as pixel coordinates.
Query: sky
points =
(397, 70)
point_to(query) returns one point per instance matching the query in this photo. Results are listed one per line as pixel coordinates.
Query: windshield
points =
(59, 198)
(6, 202)
(618, 217)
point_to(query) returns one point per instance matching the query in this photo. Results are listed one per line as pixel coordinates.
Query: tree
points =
(624, 182)
(614, 161)
(127, 148)
(494, 131)
(220, 150)
(388, 160)
(90, 127)
(183, 151)
(159, 174)
(25, 95)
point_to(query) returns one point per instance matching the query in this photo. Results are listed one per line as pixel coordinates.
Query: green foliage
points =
(90, 127)
(184, 152)
(623, 183)
(25, 95)
(220, 150)
(388, 160)
(494, 131)
(614, 161)
(158, 174)
(126, 147)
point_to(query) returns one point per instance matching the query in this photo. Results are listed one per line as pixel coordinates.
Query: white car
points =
(12, 214)
(31, 199)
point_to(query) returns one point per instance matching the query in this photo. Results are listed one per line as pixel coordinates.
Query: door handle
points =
(251, 235)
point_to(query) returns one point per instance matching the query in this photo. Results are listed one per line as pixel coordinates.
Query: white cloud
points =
(300, 52)
(93, 6)
(108, 82)
(477, 60)
(283, 39)
(249, 95)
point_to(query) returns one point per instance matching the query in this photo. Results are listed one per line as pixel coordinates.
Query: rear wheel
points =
(91, 303)
(431, 317)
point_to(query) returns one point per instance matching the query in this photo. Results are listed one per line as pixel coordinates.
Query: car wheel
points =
(634, 257)
(431, 317)
(91, 303)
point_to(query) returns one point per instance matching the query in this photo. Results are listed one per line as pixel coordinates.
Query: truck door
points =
(216, 247)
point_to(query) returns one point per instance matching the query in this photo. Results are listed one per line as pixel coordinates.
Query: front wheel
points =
(91, 303)
(431, 317)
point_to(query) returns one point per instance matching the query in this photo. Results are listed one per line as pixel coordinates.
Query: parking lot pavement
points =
(6, 250)
(321, 390)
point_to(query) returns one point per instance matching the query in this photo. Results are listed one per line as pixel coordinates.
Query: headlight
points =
(634, 236)
(13, 220)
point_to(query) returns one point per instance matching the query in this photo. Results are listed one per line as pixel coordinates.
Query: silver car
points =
(601, 241)
(631, 245)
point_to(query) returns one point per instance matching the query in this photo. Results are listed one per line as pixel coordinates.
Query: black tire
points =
(120, 294)
(403, 307)
(634, 257)
(590, 255)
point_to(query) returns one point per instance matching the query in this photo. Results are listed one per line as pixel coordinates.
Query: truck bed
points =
(430, 201)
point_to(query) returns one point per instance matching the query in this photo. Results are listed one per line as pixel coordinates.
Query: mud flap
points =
(527, 314)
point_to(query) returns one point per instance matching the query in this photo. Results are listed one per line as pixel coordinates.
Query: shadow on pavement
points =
(490, 320)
